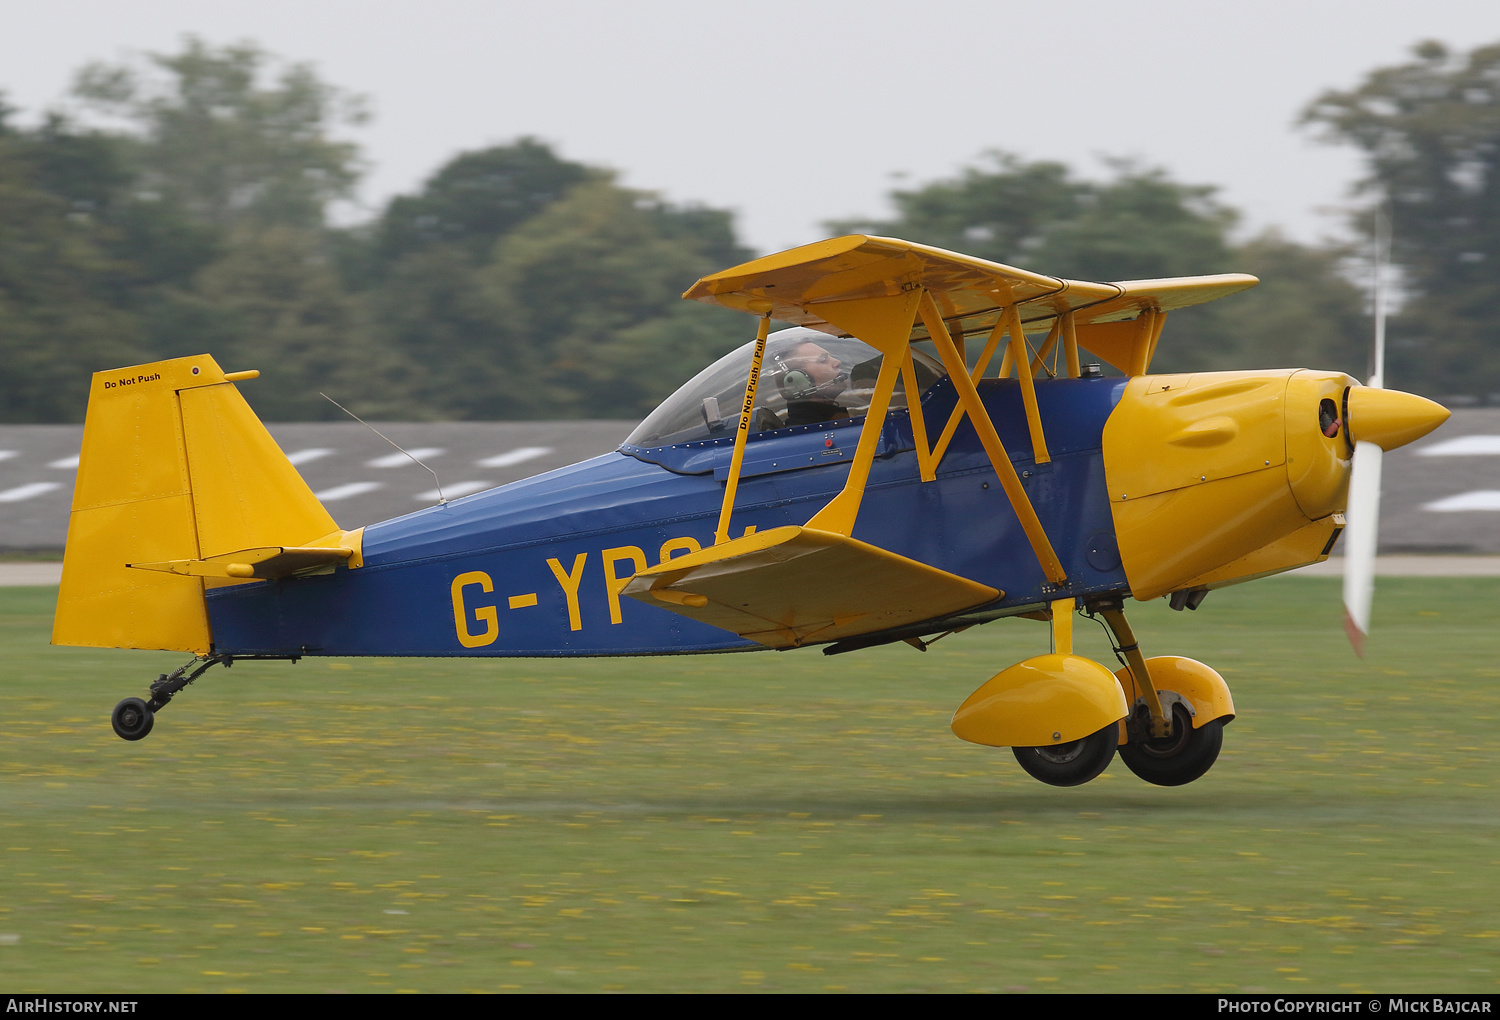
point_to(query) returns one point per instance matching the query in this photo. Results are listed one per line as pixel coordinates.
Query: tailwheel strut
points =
(133, 718)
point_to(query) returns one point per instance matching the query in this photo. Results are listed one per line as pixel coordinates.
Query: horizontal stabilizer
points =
(788, 586)
(264, 563)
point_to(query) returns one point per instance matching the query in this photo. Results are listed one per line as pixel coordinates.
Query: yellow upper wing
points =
(970, 292)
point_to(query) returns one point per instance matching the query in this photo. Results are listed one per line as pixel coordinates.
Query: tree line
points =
(516, 284)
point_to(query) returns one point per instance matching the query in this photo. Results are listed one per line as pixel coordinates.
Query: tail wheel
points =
(1179, 759)
(1073, 763)
(132, 719)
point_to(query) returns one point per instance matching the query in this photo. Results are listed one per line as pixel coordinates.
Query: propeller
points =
(1376, 420)
(1360, 534)
(1362, 528)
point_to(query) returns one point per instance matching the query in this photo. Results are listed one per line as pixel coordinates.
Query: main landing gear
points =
(1064, 716)
(1179, 708)
(1176, 759)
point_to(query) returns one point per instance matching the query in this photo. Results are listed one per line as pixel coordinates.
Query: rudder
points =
(174, 466)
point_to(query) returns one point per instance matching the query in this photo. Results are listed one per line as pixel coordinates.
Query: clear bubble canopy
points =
(807, 377)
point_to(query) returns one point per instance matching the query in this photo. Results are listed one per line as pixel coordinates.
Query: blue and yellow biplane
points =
(926, 449)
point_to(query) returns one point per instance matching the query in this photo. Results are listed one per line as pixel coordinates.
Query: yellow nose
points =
(1390, 418)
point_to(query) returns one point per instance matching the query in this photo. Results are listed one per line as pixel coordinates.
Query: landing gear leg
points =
(133, 718)
(1159, 723)
(1164, 747)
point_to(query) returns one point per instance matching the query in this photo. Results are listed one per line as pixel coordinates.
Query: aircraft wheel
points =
(1073, 763)
(132, 719)
(1179, 759)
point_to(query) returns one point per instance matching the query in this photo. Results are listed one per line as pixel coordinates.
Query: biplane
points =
(931, 445)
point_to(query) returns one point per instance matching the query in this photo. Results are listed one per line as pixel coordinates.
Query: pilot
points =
(811, 380)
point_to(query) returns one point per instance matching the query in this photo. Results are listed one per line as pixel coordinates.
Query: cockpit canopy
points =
(807, 377)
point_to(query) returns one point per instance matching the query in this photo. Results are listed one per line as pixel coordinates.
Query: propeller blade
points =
(1362, 527)
(1360, 535)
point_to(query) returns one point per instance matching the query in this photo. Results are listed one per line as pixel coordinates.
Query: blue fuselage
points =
(535, 567)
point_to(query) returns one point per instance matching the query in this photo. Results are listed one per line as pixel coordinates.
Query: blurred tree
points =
(1304, 314)
(1430, 131)
(274, 302)
(97, 273)
(433, 313)
(474, 200)
(520, 285)
(63, 291)
(1000, 211)
(598, 278)
(1141, 224)
(211, 137)
(228, 176)
(514, 284)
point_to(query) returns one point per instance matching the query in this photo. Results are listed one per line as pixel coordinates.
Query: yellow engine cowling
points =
(1220, 477)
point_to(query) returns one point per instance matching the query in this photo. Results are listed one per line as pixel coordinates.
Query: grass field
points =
(767, 821)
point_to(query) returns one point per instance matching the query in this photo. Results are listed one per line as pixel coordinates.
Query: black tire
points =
(1179, 759)
(1073, 763)
(132, 719)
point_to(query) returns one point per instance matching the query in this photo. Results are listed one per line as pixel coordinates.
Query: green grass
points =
(767, 821)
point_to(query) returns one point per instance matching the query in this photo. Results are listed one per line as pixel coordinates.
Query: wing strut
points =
(958, 411)
(968, 398)
(1020, 355)
(1039, 363)
(885, 324)
(927, 457)
(1070, 344)
(732, 483)
(1017, 355)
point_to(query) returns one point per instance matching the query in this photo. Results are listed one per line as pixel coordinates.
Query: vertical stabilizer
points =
(174, 466)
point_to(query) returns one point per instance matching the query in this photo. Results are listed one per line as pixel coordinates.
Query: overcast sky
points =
(792, 112)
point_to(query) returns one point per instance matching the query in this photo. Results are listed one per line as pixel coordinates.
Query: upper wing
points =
(971, 293)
